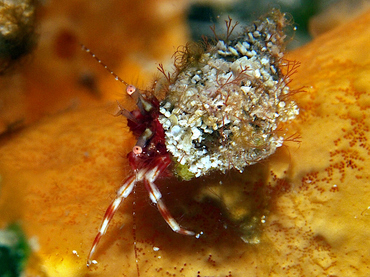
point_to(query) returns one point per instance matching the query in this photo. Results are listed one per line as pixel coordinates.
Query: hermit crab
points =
(221, 110)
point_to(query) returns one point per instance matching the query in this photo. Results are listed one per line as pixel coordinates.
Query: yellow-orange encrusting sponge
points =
(58, 175)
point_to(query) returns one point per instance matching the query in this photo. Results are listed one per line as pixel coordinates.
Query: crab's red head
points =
(144, 124)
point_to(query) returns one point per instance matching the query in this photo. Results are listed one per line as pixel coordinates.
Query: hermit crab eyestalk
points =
(144, 138)
(143, 105)
(130, 89)
(137, 150)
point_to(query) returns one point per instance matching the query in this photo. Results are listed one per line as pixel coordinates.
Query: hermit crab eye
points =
(137, 150)
(130, 89)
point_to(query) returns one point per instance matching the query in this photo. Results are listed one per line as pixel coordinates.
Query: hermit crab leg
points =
(122, 193)
(156, 197)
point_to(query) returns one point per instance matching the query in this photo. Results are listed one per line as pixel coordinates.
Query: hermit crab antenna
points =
(87, 50)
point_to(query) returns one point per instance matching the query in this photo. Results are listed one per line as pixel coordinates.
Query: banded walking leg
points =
(122, 193)
(156, 197)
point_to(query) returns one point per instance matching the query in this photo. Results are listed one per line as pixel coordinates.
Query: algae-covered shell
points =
(226, 99)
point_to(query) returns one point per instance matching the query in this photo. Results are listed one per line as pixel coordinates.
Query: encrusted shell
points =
(223, 105)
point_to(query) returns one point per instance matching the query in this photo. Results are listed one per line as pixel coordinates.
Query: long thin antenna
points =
(134, 232)
(87, 50)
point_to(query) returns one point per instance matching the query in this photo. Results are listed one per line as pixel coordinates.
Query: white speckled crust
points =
(222, 108)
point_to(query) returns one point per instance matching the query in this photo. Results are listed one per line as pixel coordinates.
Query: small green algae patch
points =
(14, 251)
(182, 171)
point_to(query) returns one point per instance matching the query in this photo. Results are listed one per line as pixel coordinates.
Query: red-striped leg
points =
(122, 193)
(156, 197)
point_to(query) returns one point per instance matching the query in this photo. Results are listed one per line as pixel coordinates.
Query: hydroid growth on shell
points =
(223, 105)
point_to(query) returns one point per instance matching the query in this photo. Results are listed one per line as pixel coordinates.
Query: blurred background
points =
(309, 17)
(43, 71)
